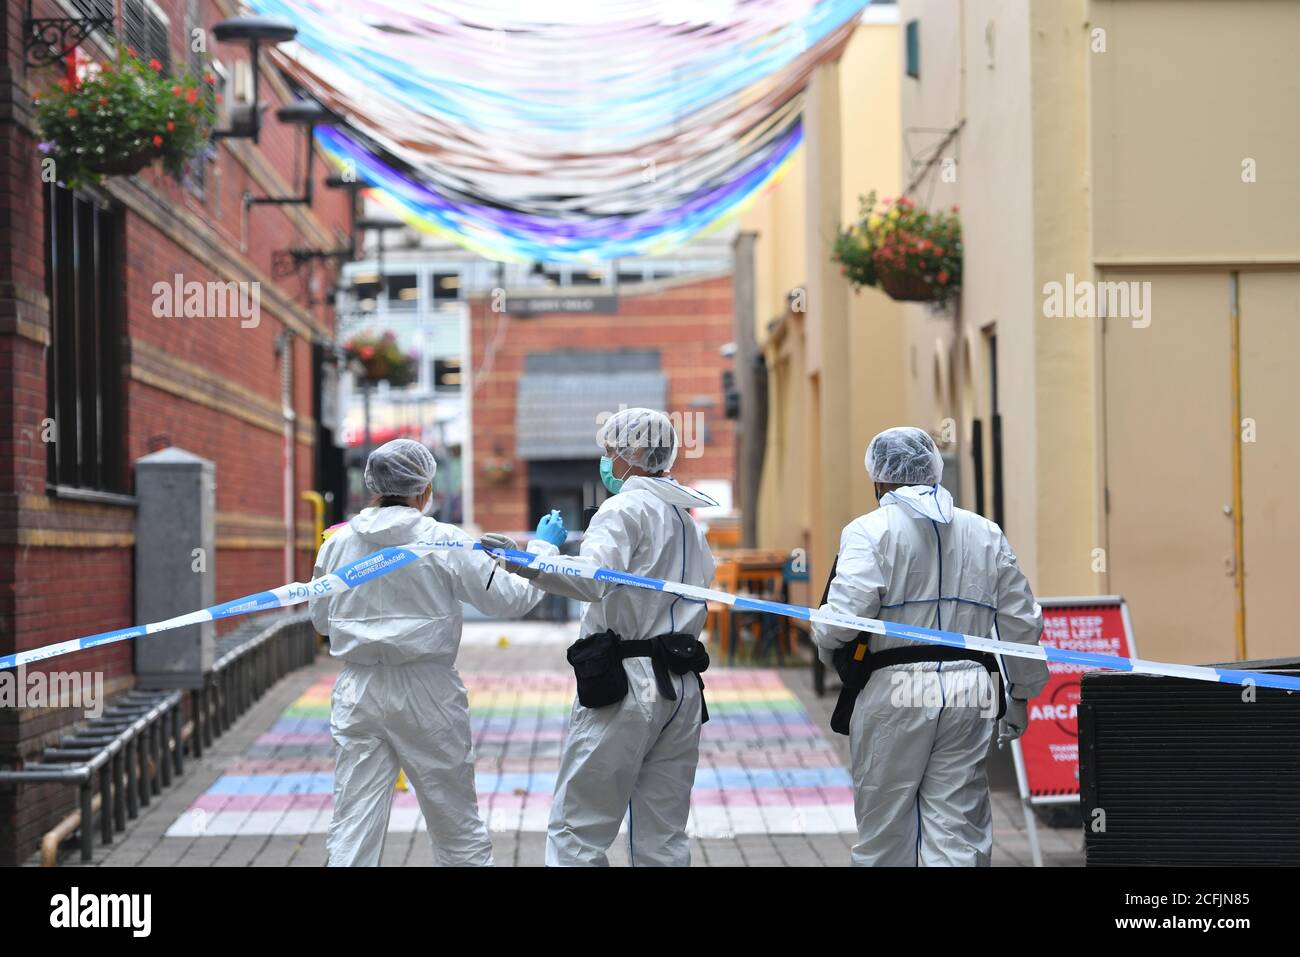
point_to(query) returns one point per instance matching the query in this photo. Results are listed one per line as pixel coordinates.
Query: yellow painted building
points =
(1128, 177)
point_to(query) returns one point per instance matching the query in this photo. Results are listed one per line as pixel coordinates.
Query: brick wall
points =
(686, 321)
(207, 385)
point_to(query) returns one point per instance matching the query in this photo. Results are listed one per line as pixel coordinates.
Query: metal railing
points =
(138, 745)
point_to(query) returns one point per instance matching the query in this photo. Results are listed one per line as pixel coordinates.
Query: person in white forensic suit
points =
(636, 758)
(399, 703)
(920, 731)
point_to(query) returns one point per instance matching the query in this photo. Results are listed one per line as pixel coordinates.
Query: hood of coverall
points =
(395, 525)
(670, 490)
(930, 501)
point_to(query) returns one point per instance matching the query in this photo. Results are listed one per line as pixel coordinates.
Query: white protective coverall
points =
(399, 703)
(637, 757)
(920, 733)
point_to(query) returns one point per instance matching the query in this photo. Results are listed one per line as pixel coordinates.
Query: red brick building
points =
(551, 374)
(81, 342)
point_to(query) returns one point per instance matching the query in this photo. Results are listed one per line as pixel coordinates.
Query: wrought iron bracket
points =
(48, 40)
(286, 262)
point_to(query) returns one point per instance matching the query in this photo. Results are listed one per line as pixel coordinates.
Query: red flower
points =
(103, 101)
(131, 50)
(191, 95)
(209, 78)
(367, 352)
(155, 65)
(157, 141)
(938, 250)
(171, 127)
(176, 90)
(943, 278)
(72, 112)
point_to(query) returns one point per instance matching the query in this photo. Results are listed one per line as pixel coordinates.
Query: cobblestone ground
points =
(772, 790)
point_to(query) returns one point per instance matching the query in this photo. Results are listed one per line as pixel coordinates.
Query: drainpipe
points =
(1238, 519)
(284, 345)
(751, 426)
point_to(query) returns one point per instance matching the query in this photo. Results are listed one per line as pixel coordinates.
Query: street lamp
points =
(307, 114)
(246, 121)
(354, 185)
(381, 225)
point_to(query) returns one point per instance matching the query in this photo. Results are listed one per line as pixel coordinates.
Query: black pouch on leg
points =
(684, 654)
(598, 667)
(854, 670)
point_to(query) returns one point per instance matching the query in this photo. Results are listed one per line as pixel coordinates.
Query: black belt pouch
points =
(682, 654)
(599, 668)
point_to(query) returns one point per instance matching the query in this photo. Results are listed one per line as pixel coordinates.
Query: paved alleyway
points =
(772, 788)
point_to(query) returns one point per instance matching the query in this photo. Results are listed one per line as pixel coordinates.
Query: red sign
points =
(1050, 745)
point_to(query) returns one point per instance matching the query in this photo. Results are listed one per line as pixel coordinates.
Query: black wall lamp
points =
(354, 185)
(307, 114)
(382, 226)
(246, 119)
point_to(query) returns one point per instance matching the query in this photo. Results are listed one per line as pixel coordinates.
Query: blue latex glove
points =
(551, 528)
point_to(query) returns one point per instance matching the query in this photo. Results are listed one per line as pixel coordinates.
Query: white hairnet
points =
(640, 437)
(904, 456)
(401, 467)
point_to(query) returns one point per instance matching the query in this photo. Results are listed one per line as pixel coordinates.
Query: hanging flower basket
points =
(382, 359)
(498, 469)
(905, 286)
(123, 116)
(912, 255)
(127, 165)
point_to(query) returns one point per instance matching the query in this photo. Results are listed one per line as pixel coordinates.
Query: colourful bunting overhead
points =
(532, 131)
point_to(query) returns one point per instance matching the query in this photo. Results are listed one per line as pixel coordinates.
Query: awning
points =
(557, 414)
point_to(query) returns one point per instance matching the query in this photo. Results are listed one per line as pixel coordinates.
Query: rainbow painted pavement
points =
(765, 768)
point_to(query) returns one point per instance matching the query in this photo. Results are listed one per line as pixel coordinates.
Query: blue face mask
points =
(615, 485)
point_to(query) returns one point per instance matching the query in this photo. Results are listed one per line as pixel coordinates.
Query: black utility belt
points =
(597, 662)
(856, 665)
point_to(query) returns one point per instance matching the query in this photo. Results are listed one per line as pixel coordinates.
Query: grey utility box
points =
(175, 539)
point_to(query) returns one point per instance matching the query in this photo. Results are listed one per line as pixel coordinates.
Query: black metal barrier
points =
(1180, 772)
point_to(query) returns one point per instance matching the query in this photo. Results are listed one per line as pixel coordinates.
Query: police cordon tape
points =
(390, 559)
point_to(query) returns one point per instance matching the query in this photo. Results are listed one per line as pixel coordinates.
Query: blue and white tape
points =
(390, 559)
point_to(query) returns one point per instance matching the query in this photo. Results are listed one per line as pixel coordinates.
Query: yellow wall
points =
(834, 369)
(1183, 95)
(1122, 164)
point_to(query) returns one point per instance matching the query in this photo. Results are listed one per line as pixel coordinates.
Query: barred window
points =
(84, 281)
(145, 28)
